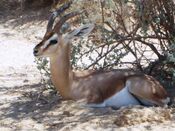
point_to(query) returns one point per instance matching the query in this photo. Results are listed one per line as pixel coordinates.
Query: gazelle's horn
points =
(64, 19)
(55, 14)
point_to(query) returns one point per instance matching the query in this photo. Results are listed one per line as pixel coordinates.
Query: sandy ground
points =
(26, 106)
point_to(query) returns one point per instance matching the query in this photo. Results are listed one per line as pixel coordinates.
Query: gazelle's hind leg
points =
(119, 99)
(148, 90)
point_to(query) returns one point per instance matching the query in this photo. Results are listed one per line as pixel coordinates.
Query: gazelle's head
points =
(54, 40)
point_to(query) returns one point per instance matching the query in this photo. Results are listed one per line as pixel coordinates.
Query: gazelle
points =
(112, 88)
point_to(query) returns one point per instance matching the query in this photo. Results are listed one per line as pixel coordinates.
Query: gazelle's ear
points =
(83, 30)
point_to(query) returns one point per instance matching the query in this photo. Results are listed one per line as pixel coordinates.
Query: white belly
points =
(121, 98)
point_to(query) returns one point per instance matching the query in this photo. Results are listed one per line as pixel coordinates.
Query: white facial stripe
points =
(54, 37)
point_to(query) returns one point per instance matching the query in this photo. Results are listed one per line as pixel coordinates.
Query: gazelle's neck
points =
(60, 71)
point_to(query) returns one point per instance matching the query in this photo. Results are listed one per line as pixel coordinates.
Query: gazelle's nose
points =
(35, 52)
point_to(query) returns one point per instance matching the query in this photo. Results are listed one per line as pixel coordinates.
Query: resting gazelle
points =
(113, 88)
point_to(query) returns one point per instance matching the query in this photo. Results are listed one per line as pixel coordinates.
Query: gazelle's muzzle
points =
(35, 51)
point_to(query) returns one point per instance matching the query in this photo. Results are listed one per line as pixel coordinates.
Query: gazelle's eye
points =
(53, 41)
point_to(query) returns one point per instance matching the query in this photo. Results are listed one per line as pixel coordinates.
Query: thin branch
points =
(102, 2)
(152, 47)
(104, 55)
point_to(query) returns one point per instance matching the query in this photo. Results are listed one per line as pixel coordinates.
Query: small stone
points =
(67, 113)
